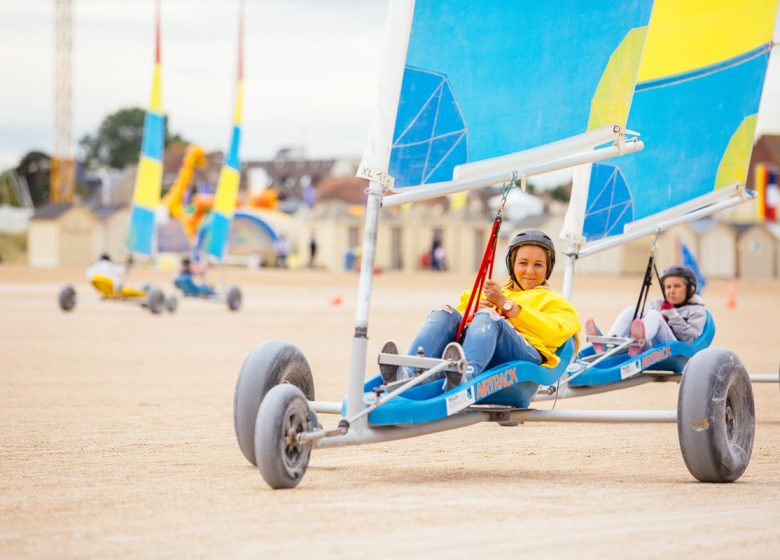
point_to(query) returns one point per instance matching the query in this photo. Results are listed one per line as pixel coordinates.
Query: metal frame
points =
(697, 208)
(353, 429)
(376, 199)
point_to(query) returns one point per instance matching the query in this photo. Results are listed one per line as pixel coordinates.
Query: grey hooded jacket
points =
(687, 321)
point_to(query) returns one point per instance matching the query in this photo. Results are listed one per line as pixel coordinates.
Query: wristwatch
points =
(507, 306)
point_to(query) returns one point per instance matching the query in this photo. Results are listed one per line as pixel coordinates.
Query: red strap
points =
(485, 271)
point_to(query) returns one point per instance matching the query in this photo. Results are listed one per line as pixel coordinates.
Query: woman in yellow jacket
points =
(522, 319)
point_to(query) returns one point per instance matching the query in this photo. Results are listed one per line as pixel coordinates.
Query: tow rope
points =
(485, 268)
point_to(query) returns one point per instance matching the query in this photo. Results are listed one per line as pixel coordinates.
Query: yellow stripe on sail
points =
(688, 34)
(147, 183)
(733, 166)
(227, 190)
(612, 100)
(759, 172)
(239, 103)
(155, 104)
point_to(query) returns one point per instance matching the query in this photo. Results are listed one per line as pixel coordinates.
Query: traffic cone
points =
(731, 295)
(336, 301)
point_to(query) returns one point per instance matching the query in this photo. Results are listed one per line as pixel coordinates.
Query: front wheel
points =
(171, 304)
(234, 298)
(269, 364)
(716, 420)
(281, 459)
(67, 298)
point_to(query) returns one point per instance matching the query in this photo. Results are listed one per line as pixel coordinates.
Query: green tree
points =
(118, 139)
(34, 167)
(561, 193)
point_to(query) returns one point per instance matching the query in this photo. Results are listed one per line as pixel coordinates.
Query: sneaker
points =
(389, 372)
(591, 329)
(453, 353)
(638, 334)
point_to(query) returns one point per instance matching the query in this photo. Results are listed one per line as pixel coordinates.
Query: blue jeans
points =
(490, 340)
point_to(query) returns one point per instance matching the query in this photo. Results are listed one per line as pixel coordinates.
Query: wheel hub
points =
(730, 419)
(292, 451)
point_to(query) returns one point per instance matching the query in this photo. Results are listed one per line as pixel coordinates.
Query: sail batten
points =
(529, 169)
(763, 50)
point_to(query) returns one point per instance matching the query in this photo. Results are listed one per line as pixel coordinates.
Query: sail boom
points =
(517, 160)
(533, 168)
(683, 208)
(731, 197)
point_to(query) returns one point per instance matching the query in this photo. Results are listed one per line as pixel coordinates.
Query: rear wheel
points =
(172, 304)
(280, 458)
(155, 300)
(716, 416)
(234, 298)
(67, 298)
(269, 364)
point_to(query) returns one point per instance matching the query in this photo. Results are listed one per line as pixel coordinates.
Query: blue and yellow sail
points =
(148, 180)
(696, 104)
(484, 79)
(230, 174)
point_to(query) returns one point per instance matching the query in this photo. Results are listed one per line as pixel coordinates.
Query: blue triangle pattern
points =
(408, 162)
(610, 204)
(430, 137)
(449, 119)
(417, 88)
(421, 128)
(444, 151)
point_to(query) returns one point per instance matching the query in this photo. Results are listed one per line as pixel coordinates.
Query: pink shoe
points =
(592, 330)
(637, 333)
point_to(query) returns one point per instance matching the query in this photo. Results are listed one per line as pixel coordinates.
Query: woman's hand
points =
(493, 293)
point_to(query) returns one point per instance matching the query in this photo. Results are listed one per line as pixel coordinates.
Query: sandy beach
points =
(117, 437)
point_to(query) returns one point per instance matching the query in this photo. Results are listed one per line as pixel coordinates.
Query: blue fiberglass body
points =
(190, 288)
(670, 356)
(511, 384)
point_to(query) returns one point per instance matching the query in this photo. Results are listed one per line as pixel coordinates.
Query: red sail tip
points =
(241, 44)
(157, 36)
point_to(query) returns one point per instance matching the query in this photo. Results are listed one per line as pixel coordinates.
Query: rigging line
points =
(486, 265)
(704, 71)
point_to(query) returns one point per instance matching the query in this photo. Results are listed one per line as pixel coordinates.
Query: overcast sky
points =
(310, 71)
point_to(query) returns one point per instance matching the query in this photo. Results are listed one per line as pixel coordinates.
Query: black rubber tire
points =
(67, 298)
(269, 364)
(281, 460)
(155, 300)
(234, 298)
(171, 304)
(716, 419)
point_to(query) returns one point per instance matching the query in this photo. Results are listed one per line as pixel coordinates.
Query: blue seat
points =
(190, 288)
(511, 384)
(670, 356)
